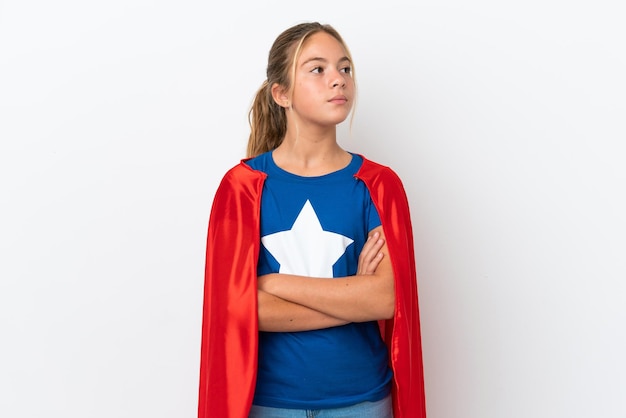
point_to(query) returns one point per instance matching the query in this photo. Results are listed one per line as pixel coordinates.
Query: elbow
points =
(388, 308)
(385, 306)
(388, 301)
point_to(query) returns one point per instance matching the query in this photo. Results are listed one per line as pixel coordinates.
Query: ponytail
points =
(268, 123)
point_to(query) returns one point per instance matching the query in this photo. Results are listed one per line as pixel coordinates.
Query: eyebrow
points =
(324, 60)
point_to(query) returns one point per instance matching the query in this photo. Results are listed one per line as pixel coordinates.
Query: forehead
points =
(322, 45)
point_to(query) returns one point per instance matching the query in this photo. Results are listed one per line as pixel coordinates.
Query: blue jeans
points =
(378, 409)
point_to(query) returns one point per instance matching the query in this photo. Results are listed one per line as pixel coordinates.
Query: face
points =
(323, 90)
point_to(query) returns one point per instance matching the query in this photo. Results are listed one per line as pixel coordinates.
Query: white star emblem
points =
(306, 249)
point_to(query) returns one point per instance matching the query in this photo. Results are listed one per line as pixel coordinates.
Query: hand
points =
(370, 256)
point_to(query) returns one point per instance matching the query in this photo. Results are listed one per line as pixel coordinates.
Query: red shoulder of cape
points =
(229, 323)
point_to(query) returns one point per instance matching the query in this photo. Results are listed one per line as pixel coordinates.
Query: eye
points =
(317, 70)
(347, 70)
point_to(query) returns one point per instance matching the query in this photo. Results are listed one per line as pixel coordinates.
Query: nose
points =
(338, 80)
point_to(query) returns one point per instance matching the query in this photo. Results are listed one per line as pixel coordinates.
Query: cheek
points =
(306, 93)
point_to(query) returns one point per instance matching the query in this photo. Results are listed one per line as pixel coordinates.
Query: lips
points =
(339, 99)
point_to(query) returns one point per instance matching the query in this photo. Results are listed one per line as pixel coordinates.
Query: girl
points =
(310, 288)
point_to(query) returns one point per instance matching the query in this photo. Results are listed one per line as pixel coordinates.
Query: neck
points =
(307, 155)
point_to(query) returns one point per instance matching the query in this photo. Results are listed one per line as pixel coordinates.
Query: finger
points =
(371, 255)
(371, 267)
(373, 250)
(371, 245)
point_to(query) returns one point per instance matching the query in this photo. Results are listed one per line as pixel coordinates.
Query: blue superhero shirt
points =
(317, 226)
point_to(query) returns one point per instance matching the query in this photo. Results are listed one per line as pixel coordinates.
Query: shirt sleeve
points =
(371, 214)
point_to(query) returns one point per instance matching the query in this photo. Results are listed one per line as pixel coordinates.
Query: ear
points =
(280, 95)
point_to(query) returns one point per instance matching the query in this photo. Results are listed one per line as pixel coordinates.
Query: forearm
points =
(353, 299)
(279, 315)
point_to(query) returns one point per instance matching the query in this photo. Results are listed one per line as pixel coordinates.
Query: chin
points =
(340, 118)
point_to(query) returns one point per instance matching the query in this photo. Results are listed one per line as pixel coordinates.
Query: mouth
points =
(339, 100)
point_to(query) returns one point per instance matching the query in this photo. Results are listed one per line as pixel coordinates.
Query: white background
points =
(506, 121)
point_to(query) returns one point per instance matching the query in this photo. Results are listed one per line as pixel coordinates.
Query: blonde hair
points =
(268, 121)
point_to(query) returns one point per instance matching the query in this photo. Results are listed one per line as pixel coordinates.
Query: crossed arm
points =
(299, 303)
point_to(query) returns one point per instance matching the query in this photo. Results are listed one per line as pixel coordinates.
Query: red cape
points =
(229, 324)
